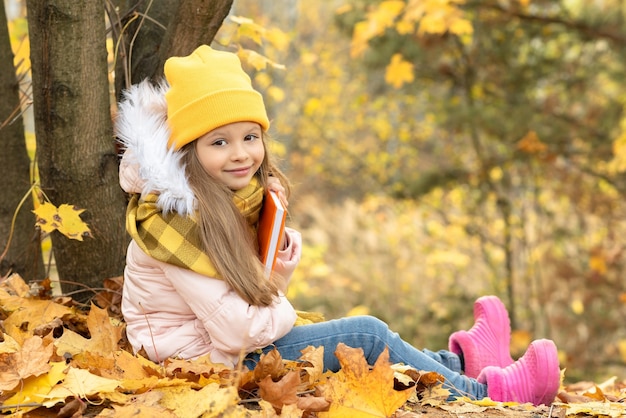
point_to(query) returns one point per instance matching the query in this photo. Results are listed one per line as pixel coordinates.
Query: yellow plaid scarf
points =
(174, 239)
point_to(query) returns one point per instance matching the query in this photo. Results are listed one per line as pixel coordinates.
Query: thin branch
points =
(578, 26)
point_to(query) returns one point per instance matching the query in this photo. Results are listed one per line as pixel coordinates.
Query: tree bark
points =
(194, 24)
(23, 254)
(138, 31)
(156, 30)
(77, 160)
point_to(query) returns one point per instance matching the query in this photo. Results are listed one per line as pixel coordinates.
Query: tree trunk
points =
(148, 33)
(138, 31)
(194, 24)
(75, 147)
(23, 254)
(158, 30)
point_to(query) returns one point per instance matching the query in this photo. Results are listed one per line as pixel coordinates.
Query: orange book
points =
(270, 230)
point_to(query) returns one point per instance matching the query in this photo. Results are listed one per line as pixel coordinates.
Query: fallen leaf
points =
(27, 315)
(210, 401)
(313, 403)
(104, 340)
(16, 286)
(9, 345)
(357, 391)
(198, 366)
(270, 364)
(74, 408)
(142, 405)
(35, 389)
(282, 392)
(81, 383)
(31, 360)
(315, 357)
(604, 409)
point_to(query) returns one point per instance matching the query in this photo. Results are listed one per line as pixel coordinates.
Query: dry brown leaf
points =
(35, 389)
(282, 392)
(270, 364)
(313, 403)
(199, 366)
(142, 405)
(15, 285)
(73, 409)
(31, 360)
(111, 298)
(315, 357)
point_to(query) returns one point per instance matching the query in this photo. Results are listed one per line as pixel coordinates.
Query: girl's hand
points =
(274, 185)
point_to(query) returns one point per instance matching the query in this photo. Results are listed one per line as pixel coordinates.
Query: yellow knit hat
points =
(209, 89)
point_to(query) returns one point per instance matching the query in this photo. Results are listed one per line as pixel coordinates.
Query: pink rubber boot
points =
(534, 378)
(487, 342)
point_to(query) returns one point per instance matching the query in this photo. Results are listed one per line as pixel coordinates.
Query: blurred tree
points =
(504, 92)
(23, 252)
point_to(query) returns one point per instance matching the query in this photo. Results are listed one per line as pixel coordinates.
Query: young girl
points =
(196, 164)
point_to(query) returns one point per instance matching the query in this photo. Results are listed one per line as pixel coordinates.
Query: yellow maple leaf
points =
(81, 383)
(28, 314)
(358, 391)
(210, 401)
(257, 61)
(438, 17)
(379, 18)
(104, 336)
(386, 13)
(47, 217)
(433, 23)
(460, 26)
(487, 402)
(279, 39)
(9, 345)
(71, 225)
(142, 405)
(65, 219)
(35, 389)
(249, 29)
(198, 366)
(597, 408)
(399, 71)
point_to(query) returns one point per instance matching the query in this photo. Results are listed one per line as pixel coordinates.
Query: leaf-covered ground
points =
(57, 359)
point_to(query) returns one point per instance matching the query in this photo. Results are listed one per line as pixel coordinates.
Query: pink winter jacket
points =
(171, 311)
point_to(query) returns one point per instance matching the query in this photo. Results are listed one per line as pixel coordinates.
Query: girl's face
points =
(232, 153)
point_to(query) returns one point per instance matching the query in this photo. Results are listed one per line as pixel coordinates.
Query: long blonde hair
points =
(224, 232)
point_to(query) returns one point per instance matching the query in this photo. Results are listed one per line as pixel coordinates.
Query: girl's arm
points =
(233, 325)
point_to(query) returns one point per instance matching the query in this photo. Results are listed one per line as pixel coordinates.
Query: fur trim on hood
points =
(141, 127)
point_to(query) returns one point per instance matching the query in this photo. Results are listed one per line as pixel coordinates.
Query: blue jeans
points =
(372, 335)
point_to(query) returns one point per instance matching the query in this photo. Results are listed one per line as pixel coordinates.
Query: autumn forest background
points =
(440, 150)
